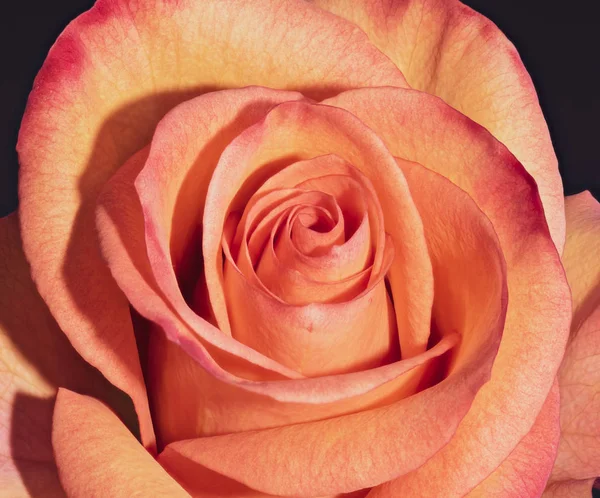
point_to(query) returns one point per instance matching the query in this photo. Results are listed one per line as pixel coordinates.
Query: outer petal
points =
(525, 472)
(580, 257)
(98, 457)
(35, 358)
(579, 375)
(446, 49)
(421, 128)
(108, 79)
(569, 489)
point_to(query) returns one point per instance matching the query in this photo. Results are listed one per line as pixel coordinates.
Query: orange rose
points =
(312, 248)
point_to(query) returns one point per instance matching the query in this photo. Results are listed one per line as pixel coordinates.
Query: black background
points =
(558, 42)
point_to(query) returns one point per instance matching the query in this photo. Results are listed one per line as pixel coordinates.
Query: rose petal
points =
(194, 391)
(422, 128)
(319, 338)
(209, 484)
(373, 446)
(184, 152)
(526, 470)
(361, 450)
(580, 257)
(447, 49)
(569, 489)
(214, 406)
(579, 375)
(330, 174)
(97, 456)
(30, 376)
(108, 79)
(293, 281)
(299, 130)
(266, 214)
(579, 378)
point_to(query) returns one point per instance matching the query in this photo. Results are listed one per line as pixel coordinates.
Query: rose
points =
(90, 113)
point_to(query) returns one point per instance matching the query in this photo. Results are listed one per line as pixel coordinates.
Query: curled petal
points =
(97, 456)
(360, 208)
(360, 450)
(445, 48)
(579, 375)
(214, 406)
(315, 339)
(171, 185)
(299, 130)
(419, 127)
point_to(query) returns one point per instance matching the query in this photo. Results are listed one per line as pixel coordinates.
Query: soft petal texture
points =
(447, 49)
(191, 402)
(360, 450)
(193, 387)
(526, 470)
(97, 456)
(569, 489)
(422, 128)
(35, 358)
(579, 375)
(111, 75)
(298, 131)
(373, 446)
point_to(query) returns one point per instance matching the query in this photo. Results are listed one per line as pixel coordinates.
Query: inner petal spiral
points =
(307, 254)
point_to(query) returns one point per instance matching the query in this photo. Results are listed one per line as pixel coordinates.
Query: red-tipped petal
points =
(447, 49)
(422, 128)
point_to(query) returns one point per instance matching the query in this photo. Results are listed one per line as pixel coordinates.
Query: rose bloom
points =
(287, 248)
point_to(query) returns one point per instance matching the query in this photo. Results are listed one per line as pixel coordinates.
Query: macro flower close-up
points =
(294, 248)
